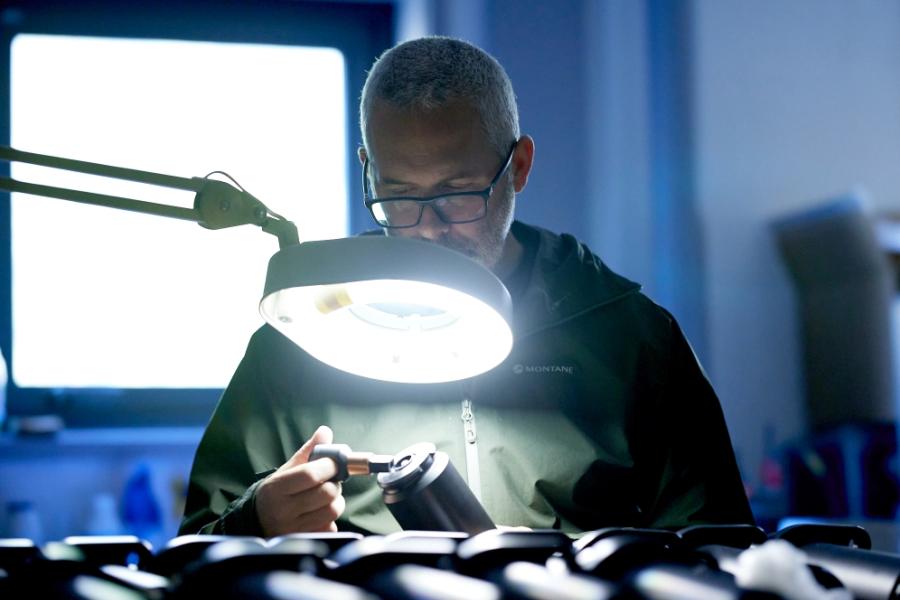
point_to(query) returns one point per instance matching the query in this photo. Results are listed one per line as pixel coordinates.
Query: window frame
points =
(361, 30)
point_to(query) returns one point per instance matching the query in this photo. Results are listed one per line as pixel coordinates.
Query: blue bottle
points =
(141, 514)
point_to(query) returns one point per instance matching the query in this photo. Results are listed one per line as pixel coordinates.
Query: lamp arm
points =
(284, 230)
(81, 166)
(217, 204)
(176, 212)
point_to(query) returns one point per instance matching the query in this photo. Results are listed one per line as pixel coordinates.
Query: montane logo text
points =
(518, 369)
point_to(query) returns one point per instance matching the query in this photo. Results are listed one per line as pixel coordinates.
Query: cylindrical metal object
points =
(424, 491)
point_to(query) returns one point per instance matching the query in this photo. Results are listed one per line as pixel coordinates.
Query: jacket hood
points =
(566, 280)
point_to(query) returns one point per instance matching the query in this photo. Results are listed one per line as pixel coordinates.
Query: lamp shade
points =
(389, 308)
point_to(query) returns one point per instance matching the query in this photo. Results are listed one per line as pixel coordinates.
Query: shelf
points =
(101, 439)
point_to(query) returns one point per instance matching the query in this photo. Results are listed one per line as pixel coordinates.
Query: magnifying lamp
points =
(382, 307)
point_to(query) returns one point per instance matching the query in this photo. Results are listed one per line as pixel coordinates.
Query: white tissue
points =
(780, 567)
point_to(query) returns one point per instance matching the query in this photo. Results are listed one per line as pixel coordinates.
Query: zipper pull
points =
(468, 419)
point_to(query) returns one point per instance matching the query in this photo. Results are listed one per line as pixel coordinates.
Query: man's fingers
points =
(296, 479)
(322, 435)
(309, 510)
(301, 478)
(320, 519)
(317, 498)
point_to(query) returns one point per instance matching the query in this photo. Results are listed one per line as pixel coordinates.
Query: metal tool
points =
(351, 463)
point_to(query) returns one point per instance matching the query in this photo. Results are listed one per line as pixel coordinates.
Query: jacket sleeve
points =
(699, 480)
(239, 447)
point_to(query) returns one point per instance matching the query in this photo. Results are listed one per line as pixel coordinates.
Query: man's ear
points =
(361, 153)
(522, 160)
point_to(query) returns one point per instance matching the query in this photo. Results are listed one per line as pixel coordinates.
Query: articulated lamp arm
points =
(217, 204)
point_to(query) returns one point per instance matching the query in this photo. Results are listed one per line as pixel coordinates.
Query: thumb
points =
(322, 435)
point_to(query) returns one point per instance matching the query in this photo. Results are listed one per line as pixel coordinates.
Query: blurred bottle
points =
(769, 499)
(24, 521)
(141, 514)
(104, 518)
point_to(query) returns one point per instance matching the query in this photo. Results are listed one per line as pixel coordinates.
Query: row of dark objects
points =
(613, 563)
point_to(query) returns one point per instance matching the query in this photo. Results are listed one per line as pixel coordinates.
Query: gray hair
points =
(432, 72)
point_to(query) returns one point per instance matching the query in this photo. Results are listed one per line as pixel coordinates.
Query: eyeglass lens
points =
(451, 209)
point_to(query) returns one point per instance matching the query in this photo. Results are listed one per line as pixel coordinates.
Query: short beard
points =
(488, 248)
(484, 251)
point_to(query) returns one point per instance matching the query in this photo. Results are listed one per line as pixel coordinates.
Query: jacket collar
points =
(566, 280)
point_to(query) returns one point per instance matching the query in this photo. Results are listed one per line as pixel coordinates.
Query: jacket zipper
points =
(473, 473)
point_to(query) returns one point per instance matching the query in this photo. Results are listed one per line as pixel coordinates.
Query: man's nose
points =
(431, 226)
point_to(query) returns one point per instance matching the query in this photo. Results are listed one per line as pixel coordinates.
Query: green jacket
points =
(600, 416)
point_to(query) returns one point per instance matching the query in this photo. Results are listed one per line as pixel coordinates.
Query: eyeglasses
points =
(397, 212)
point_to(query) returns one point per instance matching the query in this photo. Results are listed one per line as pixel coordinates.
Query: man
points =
(601, 414)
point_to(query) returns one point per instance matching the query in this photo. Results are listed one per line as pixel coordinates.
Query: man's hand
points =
(298, 496)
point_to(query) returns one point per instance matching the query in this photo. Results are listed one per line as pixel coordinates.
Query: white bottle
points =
(104, 519)
(4, 379)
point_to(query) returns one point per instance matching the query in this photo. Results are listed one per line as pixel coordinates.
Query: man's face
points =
(442, 151)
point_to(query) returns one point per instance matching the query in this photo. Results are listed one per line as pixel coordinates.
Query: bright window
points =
(106, 298)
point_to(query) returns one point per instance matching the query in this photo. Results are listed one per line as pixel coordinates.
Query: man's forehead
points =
(418, 137)
(388, 120)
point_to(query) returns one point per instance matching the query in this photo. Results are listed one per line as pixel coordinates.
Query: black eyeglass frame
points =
(485, 194)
